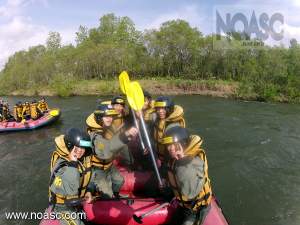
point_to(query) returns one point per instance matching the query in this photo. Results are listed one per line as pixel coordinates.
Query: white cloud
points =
(190, 13)
(296, 3)
(18, 32)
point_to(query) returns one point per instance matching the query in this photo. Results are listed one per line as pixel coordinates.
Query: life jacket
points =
(93, 126)
(84, 168)
(148, 112)
(18, 112)
(160, 126)
(204, 197)
(5, 113)
(34, 111)
(26, 109)
(43, 106)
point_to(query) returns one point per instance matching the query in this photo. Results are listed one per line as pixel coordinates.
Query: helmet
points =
(104, 110)
(176, 134)
(165, 102)
(103, 102)
(118, 100)
(76, 137)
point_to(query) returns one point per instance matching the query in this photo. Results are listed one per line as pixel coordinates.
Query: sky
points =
(25, 23)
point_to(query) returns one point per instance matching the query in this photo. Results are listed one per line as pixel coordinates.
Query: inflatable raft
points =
(122, 212)
(51, 116)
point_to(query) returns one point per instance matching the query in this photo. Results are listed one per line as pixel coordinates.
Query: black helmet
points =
(76, 137)
(104, 110)
(176, 134)
(118, 100)
(165, 102)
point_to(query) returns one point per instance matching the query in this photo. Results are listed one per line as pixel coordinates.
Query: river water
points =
(253, 152)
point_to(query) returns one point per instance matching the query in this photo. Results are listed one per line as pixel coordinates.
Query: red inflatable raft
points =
(48, 118)
(121, 212)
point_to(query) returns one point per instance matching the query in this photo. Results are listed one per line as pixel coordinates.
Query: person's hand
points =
(146, 151)
(132, 132)
(163, 184)
(73, 156)
(88, 197)
(138, 114)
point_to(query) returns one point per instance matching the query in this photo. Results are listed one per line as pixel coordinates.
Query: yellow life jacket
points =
(160, 127)
(93, 126)
(5, 113)
(205, 195)
(43, 106)
(18, 112)
(34, 111)
(84, 168)
(148, 112)
(26, 109)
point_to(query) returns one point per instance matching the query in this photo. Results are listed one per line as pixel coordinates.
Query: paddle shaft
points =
(150, 149)
(137, 126)
(153, 210)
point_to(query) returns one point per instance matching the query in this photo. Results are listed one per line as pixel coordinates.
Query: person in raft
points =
(43, 105)
(70, 175)
(18, 112)
(106, 179)
(188, 175)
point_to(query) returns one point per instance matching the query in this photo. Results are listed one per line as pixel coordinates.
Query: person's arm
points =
(191, 178)
(46, 106)
(106, 149)
(67, 183)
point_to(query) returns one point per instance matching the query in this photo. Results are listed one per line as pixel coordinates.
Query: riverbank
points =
(214, 88)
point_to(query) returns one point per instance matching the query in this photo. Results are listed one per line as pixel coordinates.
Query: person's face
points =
(161, 112)
(175, 151)
(119, 108)
(77, 152)
(107, 121)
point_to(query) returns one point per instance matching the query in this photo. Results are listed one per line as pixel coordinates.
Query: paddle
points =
(139, 219)
(130, 200)
(135, 97)
(124, 83)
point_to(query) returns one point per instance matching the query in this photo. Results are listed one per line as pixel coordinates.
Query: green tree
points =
(81, 34)
(53, 41)
(176, 45)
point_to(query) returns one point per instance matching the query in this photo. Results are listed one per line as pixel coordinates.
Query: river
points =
(253, 151)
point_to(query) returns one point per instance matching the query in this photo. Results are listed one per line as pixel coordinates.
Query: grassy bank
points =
(214, 88)
(158, 87)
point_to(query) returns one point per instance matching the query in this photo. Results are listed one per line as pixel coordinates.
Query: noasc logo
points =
(250, 24)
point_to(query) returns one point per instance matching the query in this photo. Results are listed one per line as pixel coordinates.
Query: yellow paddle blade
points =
(54, 112)
(124, 81)
(135, 96)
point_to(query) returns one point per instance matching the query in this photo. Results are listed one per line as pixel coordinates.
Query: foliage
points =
(175, 51)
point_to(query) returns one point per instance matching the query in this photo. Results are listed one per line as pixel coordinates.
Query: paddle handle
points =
(150, 149)
(154, 210)
(138, 127)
